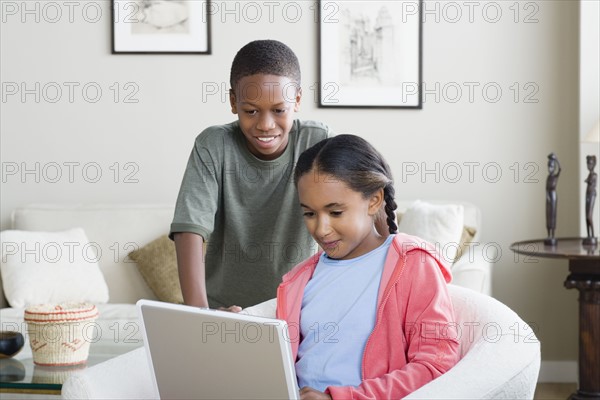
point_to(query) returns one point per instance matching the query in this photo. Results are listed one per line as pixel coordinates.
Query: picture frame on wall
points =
(161, 27)
(370, 54)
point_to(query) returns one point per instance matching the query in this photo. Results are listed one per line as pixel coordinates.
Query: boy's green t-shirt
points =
(247, 210)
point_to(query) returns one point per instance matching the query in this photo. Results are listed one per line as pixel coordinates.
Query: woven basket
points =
(57, 333)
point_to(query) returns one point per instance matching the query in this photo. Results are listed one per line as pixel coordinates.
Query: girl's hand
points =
(308, 393)
(234, 309)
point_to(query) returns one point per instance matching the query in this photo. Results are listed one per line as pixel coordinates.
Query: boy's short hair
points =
(269, 57)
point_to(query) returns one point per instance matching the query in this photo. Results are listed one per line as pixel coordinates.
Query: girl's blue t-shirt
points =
(338, 313)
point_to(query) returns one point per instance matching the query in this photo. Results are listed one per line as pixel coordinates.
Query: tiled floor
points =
(554, 391)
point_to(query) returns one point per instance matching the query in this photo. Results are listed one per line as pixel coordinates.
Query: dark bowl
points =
(10, 343)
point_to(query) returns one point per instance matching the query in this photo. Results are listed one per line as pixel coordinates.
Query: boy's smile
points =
(265, 105)
(340, 219)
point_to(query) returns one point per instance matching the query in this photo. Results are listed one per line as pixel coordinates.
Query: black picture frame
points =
(164, 27)
(370, 54)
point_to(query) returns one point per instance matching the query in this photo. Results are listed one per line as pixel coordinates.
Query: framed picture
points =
(160, 26)
(370, 53)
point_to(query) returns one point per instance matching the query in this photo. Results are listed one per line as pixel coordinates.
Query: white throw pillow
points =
(50, 267)
(441, 225)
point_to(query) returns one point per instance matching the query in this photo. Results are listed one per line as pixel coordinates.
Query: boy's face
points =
(265, 105)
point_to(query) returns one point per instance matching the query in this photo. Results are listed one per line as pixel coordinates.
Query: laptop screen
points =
(207, 354)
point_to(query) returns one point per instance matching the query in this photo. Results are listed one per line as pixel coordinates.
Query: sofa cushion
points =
(118, 229)
(50, 267)
(467, 236)
(157, 262)
(441, 225)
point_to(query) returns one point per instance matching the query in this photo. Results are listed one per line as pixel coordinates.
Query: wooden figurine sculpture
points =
(590, 198)
(551, 199)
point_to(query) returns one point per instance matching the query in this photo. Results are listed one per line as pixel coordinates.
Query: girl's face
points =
(339, 219)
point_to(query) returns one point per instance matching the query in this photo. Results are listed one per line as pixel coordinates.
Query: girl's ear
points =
(376, 202)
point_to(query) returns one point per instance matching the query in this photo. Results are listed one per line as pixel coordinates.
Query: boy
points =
(238, 193)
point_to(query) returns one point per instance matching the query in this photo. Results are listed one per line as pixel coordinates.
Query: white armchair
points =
(500, 358)
(500, 354)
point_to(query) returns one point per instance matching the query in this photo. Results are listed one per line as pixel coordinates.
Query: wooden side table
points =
(584, 268)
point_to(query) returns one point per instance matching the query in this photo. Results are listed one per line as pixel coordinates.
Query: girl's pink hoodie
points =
(415, 338)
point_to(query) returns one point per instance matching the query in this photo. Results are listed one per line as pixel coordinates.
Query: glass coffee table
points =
(21, 375)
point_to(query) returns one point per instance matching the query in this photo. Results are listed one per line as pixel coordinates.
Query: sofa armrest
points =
(474, 269)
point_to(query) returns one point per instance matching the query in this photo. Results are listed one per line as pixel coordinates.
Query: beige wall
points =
(151, 139)
(589, 98)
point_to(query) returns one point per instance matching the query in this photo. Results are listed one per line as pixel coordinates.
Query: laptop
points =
(199, 353)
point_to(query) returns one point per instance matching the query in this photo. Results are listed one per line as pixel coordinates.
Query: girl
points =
(373, 312)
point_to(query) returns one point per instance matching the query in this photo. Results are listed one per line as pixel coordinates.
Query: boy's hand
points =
(234, 309)
(308, 393)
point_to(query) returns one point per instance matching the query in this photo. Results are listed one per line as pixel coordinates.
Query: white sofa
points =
(116, 230)
(498, 361)
(119, 229)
